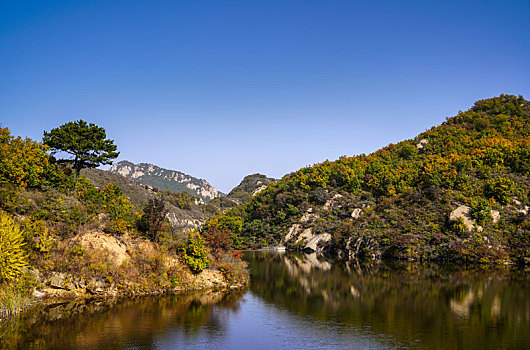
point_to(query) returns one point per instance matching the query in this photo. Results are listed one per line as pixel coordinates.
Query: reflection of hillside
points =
(407, 301)
(128, 324)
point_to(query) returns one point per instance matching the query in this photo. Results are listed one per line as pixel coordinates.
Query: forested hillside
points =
(457, 192)
(91, 232)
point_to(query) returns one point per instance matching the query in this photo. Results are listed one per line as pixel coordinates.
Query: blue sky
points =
(222, 89)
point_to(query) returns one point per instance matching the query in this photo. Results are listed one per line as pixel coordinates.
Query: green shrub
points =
(13, 258)
(459, 226)
(195, 253)
(500, 188)
(152, 221)
(480, 209)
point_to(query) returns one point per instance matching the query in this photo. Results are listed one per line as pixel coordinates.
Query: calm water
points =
(298, 301)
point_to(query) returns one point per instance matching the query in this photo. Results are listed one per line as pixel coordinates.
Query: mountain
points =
(249, 187)
(185, 212)
(164, 179)
(458, 192)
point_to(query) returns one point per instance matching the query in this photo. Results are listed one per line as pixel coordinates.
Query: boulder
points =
(421, 144)
(308, 216)
(356, 213)
(57, 280)
(495, 216)
(331, 203)
(464, 212)
(96, 286)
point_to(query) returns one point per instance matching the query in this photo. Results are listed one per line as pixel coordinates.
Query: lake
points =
(300, 301)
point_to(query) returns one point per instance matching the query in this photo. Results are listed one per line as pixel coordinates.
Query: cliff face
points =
(164, 179)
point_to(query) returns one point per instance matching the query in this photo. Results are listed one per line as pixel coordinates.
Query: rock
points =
(311, 241)
(38, 295)
(520, 210)
(80, 283)
(315, 241)
(57, 280)
(308, 216)
(356, 213)
(523, 211)
(293, 231)
(96, 286)
(117, 251)
(464, 212)
(495, 216)
(330, 203)
(421, 144)
(258, 190)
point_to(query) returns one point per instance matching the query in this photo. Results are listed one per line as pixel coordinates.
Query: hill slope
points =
(249, 187)
(456, 192)
(185, 212)
(164, 179)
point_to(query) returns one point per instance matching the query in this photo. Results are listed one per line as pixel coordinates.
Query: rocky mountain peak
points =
(166, 179)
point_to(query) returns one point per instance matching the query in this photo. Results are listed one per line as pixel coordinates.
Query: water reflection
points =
(134, 324)
(298, 301)
(421, 305)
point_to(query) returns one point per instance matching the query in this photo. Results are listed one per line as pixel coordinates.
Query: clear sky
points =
(222, 89)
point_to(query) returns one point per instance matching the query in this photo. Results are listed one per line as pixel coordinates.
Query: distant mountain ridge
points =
(165, 179)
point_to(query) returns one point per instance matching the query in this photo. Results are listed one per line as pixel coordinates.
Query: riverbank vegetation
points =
(63, 235)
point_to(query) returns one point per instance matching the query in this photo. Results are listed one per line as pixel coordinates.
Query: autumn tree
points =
(86, 142)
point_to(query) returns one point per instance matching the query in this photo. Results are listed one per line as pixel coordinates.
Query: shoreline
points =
(60, 299)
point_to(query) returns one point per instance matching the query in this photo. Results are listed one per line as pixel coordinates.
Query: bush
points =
(195, 253)
(13, 258)
(500, 188)
(480, 210)
(37, 235)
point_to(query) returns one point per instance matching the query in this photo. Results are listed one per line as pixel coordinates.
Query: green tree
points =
(86, 142)
(152, 220)
(195, 254)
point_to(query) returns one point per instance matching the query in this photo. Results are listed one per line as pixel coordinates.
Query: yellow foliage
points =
(13, 258)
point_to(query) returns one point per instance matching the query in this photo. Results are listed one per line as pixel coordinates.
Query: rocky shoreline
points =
(56, 294)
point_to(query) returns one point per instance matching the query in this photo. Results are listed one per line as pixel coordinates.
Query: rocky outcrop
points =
(333, 203)
(463, 213)
(165, 179)
(305, 239)
(422, 143)
(356, 213)
(115, 249)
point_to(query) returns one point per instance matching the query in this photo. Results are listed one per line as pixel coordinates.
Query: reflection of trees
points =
(441, 307)
(133, 323)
